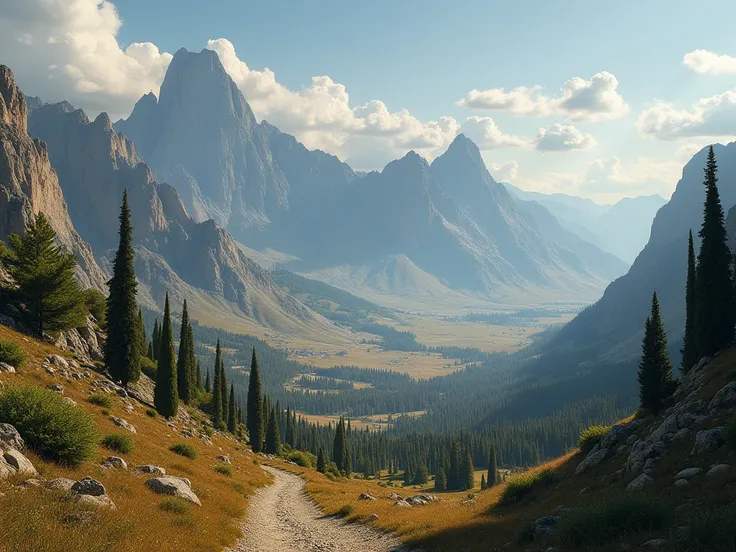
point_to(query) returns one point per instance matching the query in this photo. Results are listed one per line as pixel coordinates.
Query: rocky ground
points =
(282, 518)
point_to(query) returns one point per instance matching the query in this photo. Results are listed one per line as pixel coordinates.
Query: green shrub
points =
(612, 519)
(590, 436)
(106, 412)
(149, 367)
(96, 304)
(119, 442)
(151, 413)
(224, 469)
(522, 485)
(301, 458)
(332, 469)
(345, 510)
(729, 431)
(184, 449)
(100, 399)
(174, 505)
(11, 353)
(55, 429)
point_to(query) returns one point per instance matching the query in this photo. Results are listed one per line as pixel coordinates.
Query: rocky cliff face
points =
(29, 185)
(174, 252)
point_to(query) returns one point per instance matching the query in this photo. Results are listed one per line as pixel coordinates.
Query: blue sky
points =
(422, 57)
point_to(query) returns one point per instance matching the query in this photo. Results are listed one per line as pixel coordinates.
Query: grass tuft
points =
(174, 505)
(119, 442)
(184, 449)
(590, 436)
(100, 399)
(345, 510)
(525, 484)
(224, 470)
(151, 413)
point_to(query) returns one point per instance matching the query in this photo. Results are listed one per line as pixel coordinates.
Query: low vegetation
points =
(55, 429)
(224, 469)
(184, 449)
(100, 399)
(525, 484)
(590, 436)
(174, 505)
(12, 354)
(119, 442)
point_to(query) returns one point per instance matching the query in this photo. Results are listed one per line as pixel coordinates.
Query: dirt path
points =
(282, 518)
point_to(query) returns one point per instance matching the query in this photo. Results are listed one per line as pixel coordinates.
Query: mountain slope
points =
(29, 185)
(197, 260)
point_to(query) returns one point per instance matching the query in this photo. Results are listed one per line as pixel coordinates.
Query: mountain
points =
(610, 331)
(621, 229)
(194, 260)
(29, 185)
(450, 219)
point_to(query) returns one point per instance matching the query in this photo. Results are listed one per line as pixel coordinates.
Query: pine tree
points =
(467, 473)
(321, 462)
(223, 393)
(421, 476)
(143, 342)
(689, 346)
(492, 478)
(150, 354)
(186, 362)
(200, 385)
(440, 480)
(273, 435)
(453, 476)
(254, 410)
(713, 280)
(232, 414)
(48, 297)
(166, 393)
(655, 369)
(483, 485)
(208, 383)
(217, 412)
(156, 339)
(122, 348)
(340, 454)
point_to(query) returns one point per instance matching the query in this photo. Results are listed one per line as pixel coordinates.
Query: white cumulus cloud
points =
(579, 100)
(503, 172)
(703, 61)
(714, 116)
(562, 138)
(485, 132)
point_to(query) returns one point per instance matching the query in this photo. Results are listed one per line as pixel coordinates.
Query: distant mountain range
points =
(621, 229)
(449, 219)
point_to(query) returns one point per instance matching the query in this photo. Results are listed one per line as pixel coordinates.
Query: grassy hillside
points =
(31, 518)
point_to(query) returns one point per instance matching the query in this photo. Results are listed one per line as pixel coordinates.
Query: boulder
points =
(707, 439)
(680, 483)
(10, 438)
(683, 433)
(718, 469)
(594, 458)
(6, 368)
(416, 501)
(688, 473)
(114, 462)
(618, 434)
(725, 398)
(60, 484)
(365, 496)
(90, 501)
(544, 526)
(427, 497)
(123, 423)
(402, 504)
(6, 470)
(88, 486)
(641, 451)
(29, 483)
(58, 360)
(70, 401)
(394, 496)
(640, 482)
(372, 517)
(224, 459)
(57, 388)
(20, 463)
(173, 486)
(148, 468)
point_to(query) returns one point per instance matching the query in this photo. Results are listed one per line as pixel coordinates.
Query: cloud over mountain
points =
(714, 116)
(703, 61)
(562, 138)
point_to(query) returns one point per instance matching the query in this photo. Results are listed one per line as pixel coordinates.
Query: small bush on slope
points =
(118, 442)
(12, 354)
(590, 436)
(100, 399)
(224, 470)
(612, 519)
(524, 484)
(56, 430)
(184, 449)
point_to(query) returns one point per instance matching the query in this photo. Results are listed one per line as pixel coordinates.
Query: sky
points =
(597, 99)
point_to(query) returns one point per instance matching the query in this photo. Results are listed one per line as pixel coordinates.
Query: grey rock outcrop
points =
(707, 439)
(148, 468)
(123, 423)
(10, 438)
(173, 486)
(641, 482)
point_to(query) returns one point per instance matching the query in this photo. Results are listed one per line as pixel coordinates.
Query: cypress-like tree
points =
(453, 476)
(48, 297)
(339, 447)
(467, 473)
(150, 354)
(208, 383)
(492, 478)
(166, 393)
(232, 413)
(217, 412)
(200, 384)
(440, 480)
(122, 348)
(155, 339)
(186, 362)
(273, 435)
(483, 485)
(254, 410)
(143, 342)
(713, 280)
(223, 392)
(655, 369)
(689, 346)
(321, 463)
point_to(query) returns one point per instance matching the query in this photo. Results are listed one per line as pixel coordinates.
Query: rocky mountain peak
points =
(13, 109)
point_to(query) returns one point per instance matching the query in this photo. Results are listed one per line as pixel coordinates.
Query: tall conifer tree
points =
(492, 478)
(254, 412)
(321, 462)
(122, 349)
(232, 413)
(273, 435)
(689, 346)
(217, 412)
(166, 393)
(208, 383)
(655, 369)
(186, 363)
(155, 339)
(714, 298)
(224, 392)
(200, 384)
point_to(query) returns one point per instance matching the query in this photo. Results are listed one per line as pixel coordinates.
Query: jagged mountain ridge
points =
(451, 218)
(29, 185)
(174, 252)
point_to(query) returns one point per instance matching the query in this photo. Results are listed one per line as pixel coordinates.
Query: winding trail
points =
(282, 518)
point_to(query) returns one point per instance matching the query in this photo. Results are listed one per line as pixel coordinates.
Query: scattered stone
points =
(718, 469)
(148, 468)
(654, 544)
(122, 392)
(593, 459)
(19, 463)
(58, 360)
(114, 462)
(225, 459)
(49, 370)
(372, 517)
(544, 526)
(394, 496)
(427, 497)
(75, 519)
(680, 483)
(70, 401)
(468, 502)
(688, 473)
(123, 423)
(9, 437)
(102, 501)
(57, 388)
(173, 486)
(88, 486)
(640, 482)
(6, 368)
(683, 433)
(725, 398)
(402, 504)
(365, 496)
(60, 484)
(707, 439)
(29, 483)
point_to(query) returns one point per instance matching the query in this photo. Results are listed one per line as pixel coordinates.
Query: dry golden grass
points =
(30, 519)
